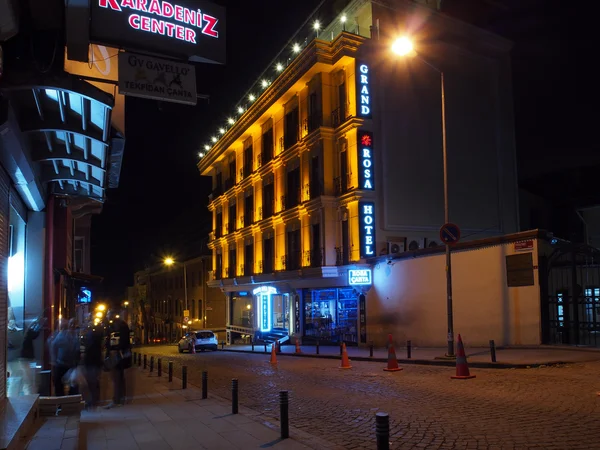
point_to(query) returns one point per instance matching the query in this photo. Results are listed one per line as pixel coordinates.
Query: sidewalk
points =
(163, 417)
(479, 357)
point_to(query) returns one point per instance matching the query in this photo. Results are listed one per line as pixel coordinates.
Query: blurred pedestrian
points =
(92, 362)
(118, 349)
(65, 355)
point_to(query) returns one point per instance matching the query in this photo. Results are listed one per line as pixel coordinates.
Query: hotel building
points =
(334, 159)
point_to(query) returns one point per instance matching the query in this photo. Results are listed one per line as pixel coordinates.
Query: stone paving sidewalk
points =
(162, 416)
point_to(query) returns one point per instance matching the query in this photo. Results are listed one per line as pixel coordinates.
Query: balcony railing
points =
(248, 269)
(292, 261)
(218, 273)
(248, 218)
(342, 184)
(315, 189)
(313, 258)
(312, 122)
(230, 226)
(338, 116)
(341, 257)
(267, 210)
(290, 138)
(229, 183)
(247, 170)
(266, 266)
(218, 231)
(217, 192)
(230, 272)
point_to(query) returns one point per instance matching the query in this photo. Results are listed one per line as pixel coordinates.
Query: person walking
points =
(65, 354)
(92, 363)
(118, 349)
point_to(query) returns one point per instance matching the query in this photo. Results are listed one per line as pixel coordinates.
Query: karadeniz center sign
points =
(190, 29)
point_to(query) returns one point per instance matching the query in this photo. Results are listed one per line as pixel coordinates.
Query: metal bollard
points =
(317, 347)
(382, 431)
(252, 346)
(145, 361)
(134, 357)
(184, 377)
(222, 345)
(159, 367)
(170, 371)
(234, 396)
(151, 364)
(265, 348)
(371, 349)
(204, 385)
(139, 359)
(408, 349)
(493, 350)
(284, 414)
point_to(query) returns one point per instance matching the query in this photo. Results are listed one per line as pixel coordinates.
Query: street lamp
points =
(403, 46)
(169, 262)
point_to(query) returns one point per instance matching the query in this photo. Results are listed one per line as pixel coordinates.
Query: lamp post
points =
(169, 262)
(404, 47)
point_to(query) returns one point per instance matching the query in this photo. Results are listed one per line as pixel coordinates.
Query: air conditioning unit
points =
(415, 243)
(9, 26)
(396, 246)
(433, 242)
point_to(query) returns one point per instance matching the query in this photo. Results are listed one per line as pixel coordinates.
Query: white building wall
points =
(408, 299)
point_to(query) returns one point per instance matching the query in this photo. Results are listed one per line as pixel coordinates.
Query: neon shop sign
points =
(364, 91)
(365, 160)
(189, 21)
(359, 277)
(366, 217)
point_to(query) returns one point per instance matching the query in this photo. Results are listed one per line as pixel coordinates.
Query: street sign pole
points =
(447, 220)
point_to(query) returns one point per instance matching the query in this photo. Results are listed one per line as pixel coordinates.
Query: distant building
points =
(335, 157)
(158, 299)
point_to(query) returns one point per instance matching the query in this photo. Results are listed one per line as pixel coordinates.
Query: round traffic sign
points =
(450, 233)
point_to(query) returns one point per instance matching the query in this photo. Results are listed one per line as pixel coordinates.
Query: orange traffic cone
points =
(273, 355)
(298, 349)
(392, 360)
(462, 368)
(345, 360)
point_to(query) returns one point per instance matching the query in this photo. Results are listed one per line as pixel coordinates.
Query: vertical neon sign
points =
(365, 160)
(366, 217)
(363, 90)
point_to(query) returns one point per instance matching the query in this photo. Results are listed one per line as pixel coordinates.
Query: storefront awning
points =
(66, 123)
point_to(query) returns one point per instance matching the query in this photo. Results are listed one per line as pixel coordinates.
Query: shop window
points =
(242, 312)
(331, 314)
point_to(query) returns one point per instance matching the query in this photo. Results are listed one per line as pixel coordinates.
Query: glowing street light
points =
(403, 46)
(126, 303)
(169, 261)
(101, 307)
(99, 315)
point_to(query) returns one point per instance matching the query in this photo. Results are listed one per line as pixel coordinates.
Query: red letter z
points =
(209, 28)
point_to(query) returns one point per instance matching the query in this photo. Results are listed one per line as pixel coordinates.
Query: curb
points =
(423, 362)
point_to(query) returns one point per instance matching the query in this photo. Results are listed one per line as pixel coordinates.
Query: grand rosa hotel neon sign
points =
(149, 15)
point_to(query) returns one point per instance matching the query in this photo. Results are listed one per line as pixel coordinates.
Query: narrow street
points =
(545, 408)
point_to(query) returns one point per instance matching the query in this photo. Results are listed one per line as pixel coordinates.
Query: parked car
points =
(200, 339)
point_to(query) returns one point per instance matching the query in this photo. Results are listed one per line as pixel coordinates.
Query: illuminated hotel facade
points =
(336, 163)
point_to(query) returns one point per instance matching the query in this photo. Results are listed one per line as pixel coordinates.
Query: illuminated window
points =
(52, 94)
(97, 113)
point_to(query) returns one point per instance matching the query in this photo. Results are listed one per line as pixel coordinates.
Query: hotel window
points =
(248, 157)
(232, 217)
(267, 146)
(341, 182)
(218, 184)
(338, 115)
(592, 304)
(294, 193)
(314, 118)
(78, 252)
(268, 255)
(231, 179)
(316, 183)
(315, 254)
(268, 199)
(219, 225)
(249, 259)
(291, 125)
(232, 263)
(248, 208)
(218, 273)
(293, 260)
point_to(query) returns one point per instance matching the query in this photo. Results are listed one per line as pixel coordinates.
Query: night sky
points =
(160, 206)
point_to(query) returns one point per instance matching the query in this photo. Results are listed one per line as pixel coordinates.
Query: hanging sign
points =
(190, 29)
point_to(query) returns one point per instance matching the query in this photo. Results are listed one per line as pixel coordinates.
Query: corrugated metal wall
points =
(4, 222)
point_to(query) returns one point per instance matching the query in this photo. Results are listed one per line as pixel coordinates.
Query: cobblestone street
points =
(544, 408)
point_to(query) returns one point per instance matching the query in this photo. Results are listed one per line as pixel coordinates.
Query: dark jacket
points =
(92, 343)
(121, 329)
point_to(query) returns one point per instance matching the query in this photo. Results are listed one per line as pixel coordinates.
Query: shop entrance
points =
(281, 312)
(331, 315)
